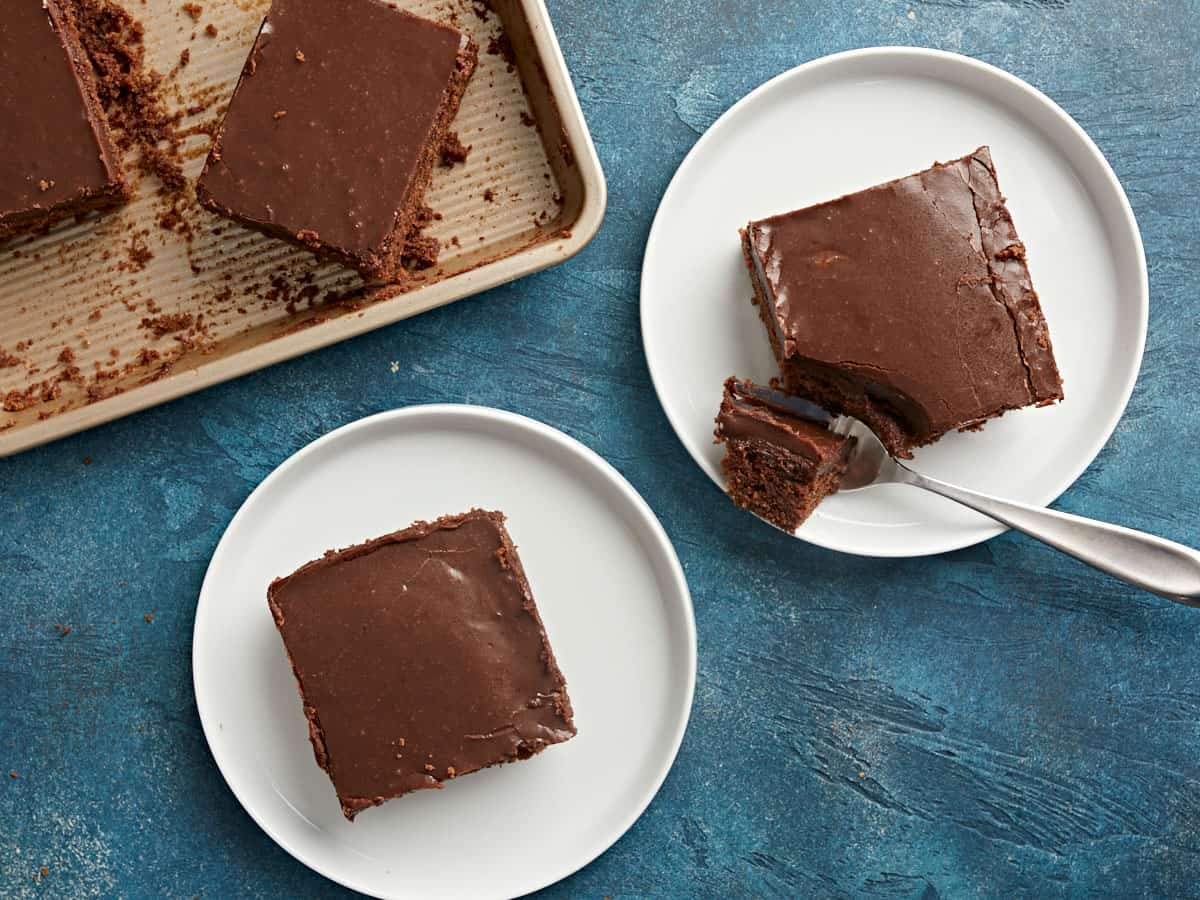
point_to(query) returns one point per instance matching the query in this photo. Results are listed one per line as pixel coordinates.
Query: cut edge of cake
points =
(116, 190)
(781, 460)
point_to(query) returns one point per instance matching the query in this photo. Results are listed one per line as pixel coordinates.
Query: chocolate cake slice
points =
(781, 459)
(56, 157)
(420, 656)
(907, 305)
(335, 127)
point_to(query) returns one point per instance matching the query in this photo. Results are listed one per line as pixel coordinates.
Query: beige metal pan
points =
(100, 297)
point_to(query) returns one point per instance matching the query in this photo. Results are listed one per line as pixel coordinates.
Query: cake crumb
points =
(300, 57)
(194, 10)
(451, 771)
(45, 185)
(12, 773)
(139, 252)
(453, 150)
(489, 195)
(63, 630)
(67, 356)
(185, 57)
(421, 252)
(279, 114)
(501, 46)
(87, 460)
(15, 401)
(428, 767)
(210, 30)
(396, 368)
(165, 324)
(148, 617)
(401, 742)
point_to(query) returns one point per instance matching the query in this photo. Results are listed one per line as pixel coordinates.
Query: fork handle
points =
(1155, 564)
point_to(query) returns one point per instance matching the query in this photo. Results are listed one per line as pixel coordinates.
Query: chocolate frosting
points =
(753, 413)
(420, 656)
(49, 134)
(329, 121)
(916, 288)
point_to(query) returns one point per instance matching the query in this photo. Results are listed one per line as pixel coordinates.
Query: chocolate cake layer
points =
(420, 656)
(335, 126)
(781, 460)
(56, 157)
(907, 305)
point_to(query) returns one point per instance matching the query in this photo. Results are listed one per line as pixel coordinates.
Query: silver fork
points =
(1163, 567)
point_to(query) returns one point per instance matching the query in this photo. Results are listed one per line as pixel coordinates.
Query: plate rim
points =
(612, 478)
(902, 53)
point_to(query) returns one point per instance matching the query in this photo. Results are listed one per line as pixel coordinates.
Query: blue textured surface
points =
(996, 722)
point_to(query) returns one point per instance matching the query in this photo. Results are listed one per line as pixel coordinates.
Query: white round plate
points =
(607, 583)
(844, 123)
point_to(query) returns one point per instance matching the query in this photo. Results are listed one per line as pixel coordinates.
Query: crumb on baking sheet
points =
(420, 252)
(168, 323)
(129, 90)
(453, 150)
(195, 10)
(138, 253)
(500, 45)
(173, 220)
